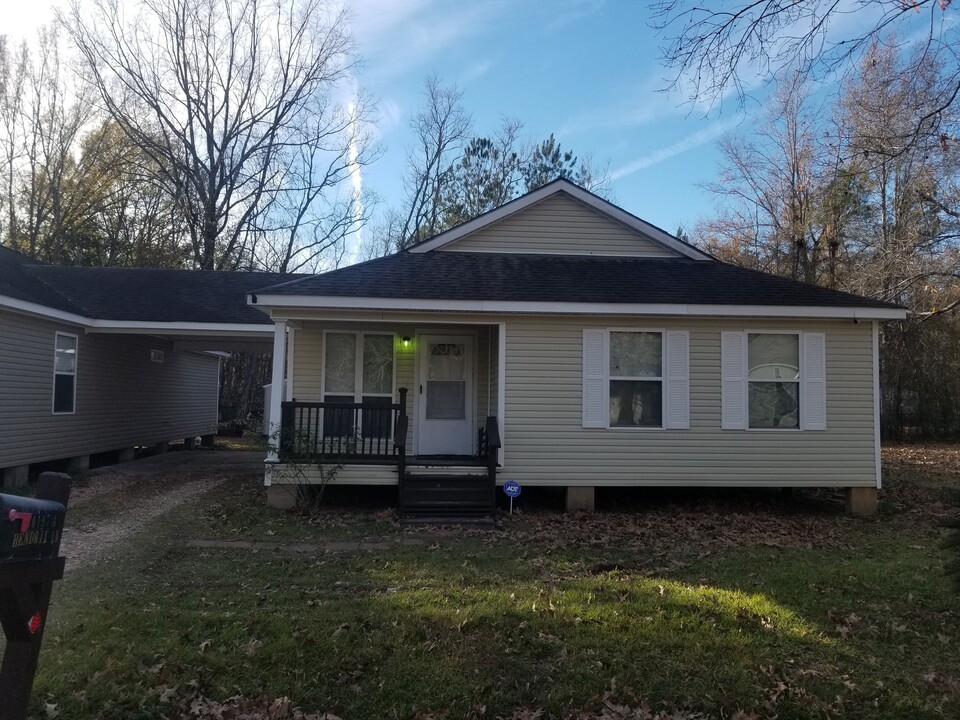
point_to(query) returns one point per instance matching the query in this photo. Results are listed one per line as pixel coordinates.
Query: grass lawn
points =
(727, 606)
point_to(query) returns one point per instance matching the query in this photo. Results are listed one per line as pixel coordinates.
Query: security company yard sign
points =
(511, 489)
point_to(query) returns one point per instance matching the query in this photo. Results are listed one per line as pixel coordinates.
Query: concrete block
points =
(862, 501)
(189, 443)
(79, 464)
(161, 447)
(580, 498)
(126, 455)
(207, 441)
(16, 477)
(282, 497)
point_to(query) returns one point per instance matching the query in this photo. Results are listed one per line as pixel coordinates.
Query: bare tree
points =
(44, 118)
(223, 95)
(14, 65)
(713, 51)
(774, 181)
(442, 127)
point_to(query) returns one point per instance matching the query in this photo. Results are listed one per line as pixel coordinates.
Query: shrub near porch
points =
(765, 606)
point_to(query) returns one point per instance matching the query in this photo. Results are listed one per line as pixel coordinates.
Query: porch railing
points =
(352, 431)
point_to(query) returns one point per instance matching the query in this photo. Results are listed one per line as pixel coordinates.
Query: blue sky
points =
(586, 70)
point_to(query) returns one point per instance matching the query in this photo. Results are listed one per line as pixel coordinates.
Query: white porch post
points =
(277, 395)
(502, 389)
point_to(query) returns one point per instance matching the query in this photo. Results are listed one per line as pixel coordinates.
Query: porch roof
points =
(529, 278)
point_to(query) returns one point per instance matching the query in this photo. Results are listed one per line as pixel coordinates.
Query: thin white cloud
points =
(355, 240)
(478, 69)
(398, 37)
(570, 11)
(701, 137)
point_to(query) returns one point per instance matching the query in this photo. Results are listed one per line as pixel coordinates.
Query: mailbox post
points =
(30, 532)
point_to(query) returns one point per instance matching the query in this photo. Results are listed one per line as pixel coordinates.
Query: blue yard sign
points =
(511, 488)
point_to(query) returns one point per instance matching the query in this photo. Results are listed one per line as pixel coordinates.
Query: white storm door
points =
(445, 402)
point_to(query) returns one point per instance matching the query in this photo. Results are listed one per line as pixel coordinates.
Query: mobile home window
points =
(64, 373)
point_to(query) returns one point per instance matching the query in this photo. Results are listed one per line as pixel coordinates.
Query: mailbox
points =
(30, 532)
(29, 528)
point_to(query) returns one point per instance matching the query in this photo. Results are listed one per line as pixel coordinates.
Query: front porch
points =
(348, 417)
(369, 441)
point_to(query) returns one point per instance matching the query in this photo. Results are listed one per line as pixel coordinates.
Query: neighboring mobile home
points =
(94, 360)
(560, 341)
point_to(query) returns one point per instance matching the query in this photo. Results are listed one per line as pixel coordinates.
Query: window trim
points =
(358, 393)
(76, 366)
(662, 379)
(799, 381)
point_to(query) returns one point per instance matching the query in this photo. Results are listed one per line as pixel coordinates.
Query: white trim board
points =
(632, 222)
(578, 308)
(259, 330)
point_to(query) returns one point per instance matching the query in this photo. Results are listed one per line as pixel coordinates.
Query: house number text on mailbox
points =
(30, 528)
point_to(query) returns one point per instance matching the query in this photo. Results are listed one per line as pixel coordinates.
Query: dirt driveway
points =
(111, 504)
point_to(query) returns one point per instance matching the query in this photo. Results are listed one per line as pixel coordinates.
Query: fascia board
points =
(500, 306)
(44, 311)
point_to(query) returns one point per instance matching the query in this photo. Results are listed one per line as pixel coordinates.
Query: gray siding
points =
(560, 225)
(545, 443)
(308, 362)
(122, 399)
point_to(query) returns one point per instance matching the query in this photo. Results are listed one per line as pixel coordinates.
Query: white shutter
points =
(813, 393)
(676, 378)
(733, 368)
(596, 404)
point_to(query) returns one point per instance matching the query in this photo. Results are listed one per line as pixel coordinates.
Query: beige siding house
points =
(96, 360)
(560, 341)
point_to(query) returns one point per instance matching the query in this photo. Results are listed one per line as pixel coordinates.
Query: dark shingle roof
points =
(136, 294)
(17, 282)
(565, 278)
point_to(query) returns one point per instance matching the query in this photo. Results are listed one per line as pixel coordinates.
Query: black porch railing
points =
(343, 431)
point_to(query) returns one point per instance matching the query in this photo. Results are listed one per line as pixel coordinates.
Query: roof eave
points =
(271, 302)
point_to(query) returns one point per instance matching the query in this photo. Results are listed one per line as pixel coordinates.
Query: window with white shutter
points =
(677, 380)
(594, 379)
(813, 391)
(636, 379)
(773, 380)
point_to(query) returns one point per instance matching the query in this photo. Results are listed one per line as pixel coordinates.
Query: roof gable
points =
(561, 219)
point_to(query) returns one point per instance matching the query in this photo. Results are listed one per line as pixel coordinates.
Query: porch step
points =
(446, 496)
(423, 471)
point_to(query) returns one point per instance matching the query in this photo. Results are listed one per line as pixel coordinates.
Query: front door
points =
(445, 408)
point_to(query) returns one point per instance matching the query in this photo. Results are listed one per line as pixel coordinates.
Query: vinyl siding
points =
(545, 443)
(122, 399)
(308, 362)
(560, 225)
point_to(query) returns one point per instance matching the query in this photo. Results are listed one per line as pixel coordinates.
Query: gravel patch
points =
(137, 493)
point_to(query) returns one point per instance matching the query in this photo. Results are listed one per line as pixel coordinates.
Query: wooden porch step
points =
(446, 496)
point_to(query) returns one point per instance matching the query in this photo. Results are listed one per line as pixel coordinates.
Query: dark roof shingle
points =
(441, 275)
(136, 294)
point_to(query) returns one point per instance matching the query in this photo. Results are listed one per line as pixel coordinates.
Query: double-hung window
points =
(358, 368)
(635, 379)
(773, 380)
(64, 373)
